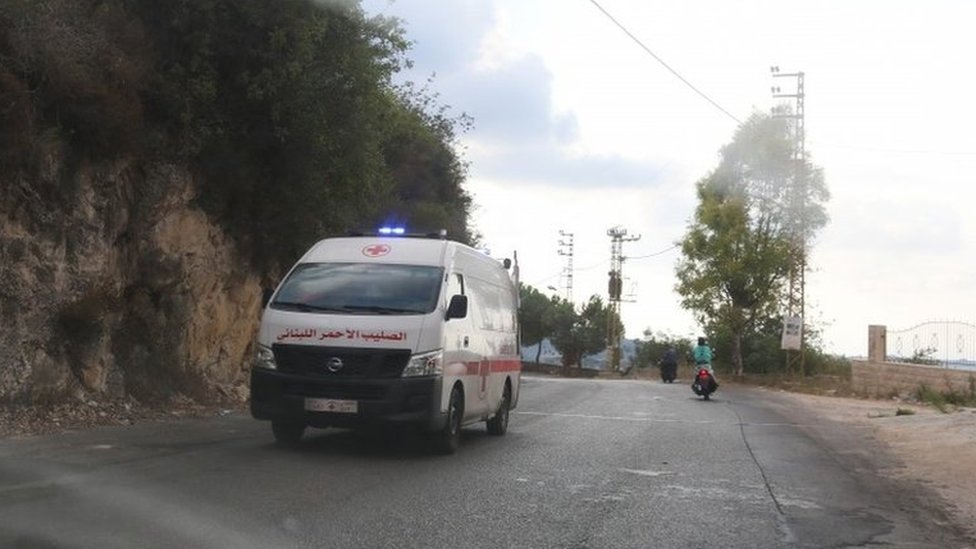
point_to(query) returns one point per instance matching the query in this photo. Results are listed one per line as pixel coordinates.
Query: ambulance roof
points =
(379, 249)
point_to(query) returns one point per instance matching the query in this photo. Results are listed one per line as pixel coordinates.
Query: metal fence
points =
(947, 343)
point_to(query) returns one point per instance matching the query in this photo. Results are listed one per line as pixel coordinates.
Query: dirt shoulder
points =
(937, 449)
(33, 420)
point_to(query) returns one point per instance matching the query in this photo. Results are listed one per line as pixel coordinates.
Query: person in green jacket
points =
(702, 354)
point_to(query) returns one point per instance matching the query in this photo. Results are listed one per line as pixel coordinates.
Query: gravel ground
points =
(32, 420)
(936, 449)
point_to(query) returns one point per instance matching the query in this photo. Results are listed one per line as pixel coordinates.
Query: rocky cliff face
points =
(118, 288)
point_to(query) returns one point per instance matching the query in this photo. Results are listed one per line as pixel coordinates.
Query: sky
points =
(577, 128)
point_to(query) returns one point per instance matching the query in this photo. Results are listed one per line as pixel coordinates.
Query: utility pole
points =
(618, 235)
(793, 321)
(566, 244)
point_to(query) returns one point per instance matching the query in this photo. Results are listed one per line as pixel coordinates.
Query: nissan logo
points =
(334, 364)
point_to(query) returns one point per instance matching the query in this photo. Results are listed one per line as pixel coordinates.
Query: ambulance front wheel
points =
(287, 434)
(447, 440)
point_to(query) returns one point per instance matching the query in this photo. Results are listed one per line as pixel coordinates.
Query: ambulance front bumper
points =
(287, 397)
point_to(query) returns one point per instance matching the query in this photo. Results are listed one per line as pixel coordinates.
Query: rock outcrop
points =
(120, 287)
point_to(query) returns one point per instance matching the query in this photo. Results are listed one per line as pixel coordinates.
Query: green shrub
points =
(79, 66)
(934, 398)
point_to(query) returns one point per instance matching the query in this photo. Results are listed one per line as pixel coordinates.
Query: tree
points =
(652, 347)
(288, 110)
(738, 245)
(427, 171)
(595, 319)
(533, 317)
(578, 334)
(562, 321)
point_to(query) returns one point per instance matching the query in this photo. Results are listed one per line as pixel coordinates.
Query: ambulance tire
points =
(287, 434)
(447, 440)
(498, 425)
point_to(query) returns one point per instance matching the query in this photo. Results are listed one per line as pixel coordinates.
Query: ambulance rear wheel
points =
(287, 434)
(447, 440)
(498, 425)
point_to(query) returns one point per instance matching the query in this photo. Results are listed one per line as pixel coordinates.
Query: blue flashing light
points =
(392, 230)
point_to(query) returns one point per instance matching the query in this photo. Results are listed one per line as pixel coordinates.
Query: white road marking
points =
(645, 473)
(665, 420)
(619, 418)
(800, 503)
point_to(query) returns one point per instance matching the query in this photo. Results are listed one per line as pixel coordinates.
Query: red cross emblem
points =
(376, 250)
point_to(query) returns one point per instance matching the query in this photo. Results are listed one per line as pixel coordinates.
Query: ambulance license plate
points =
(331, 405)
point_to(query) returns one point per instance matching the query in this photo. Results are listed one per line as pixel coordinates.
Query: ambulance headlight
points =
(425, 364)
(265, 358)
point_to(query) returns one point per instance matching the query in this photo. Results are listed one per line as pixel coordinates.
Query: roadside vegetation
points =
(286, 110)
(162, 157)
(945, 401)
(573, 331)
(651, 348)
(754, 211)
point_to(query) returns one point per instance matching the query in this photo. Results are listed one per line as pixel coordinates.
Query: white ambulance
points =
(392, 328)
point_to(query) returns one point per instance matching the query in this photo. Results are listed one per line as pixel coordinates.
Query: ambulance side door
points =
(459, 344)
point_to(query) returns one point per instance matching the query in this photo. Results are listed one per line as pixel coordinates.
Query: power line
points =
(661, 61)
(587, 268)
(893, 151)
(655, 254)
(593, 266)
(605, 261)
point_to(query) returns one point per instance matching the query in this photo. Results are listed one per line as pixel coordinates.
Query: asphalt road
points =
(585, 463)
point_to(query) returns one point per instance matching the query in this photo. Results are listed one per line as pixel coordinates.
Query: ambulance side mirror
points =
(266, 297)
(458, 308)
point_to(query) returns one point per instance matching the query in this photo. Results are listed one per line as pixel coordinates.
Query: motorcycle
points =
(668, 372)
(704, 384)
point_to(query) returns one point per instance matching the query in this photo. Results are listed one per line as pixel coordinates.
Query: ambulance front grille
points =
(345, 391)
(336, 362)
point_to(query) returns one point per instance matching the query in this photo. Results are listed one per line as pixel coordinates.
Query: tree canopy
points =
(651, 348)
(533, 317)
(574, 333)
(736, 252)
(285, 109)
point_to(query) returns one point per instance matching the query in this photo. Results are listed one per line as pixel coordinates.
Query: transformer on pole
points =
(793, 320)
(618, 235)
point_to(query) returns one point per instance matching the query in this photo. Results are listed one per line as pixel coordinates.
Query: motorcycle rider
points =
(702, 354)
(669, 365)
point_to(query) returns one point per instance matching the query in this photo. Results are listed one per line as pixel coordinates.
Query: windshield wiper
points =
(307, 308)
(379, 309)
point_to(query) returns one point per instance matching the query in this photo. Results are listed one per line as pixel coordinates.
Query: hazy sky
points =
(577, 128)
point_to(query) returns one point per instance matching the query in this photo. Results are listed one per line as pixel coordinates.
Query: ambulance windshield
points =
(360, 288)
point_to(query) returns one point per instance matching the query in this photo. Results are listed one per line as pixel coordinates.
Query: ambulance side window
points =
(455, 286)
